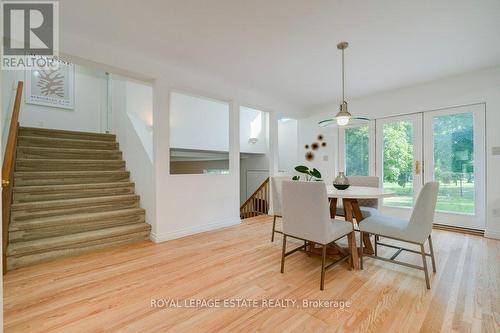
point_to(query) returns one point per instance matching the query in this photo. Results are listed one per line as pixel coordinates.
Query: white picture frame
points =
(51, 87)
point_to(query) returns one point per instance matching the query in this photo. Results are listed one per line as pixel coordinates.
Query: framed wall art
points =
(52, 87)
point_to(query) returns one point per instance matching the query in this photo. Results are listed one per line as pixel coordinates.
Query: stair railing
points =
(9, 160)
(258, 203)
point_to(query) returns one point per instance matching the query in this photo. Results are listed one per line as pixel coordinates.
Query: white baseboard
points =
(158, 238)
(492, 234)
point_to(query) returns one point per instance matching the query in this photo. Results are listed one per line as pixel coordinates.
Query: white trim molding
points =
(158, 238)
(492, 234)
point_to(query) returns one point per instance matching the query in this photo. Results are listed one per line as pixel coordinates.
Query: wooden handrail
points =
(261, 195)
(264, 183)
(9, 160)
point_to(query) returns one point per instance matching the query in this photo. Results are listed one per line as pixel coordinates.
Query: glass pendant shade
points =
(342, 121)
(342, 118)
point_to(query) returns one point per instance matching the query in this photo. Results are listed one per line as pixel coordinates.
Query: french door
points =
(399, 161)
(445, 145)
(454, 152)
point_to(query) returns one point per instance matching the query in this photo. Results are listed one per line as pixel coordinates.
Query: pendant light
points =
(343, 117)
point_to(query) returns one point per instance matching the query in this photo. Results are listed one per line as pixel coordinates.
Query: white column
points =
(273, 143)
(161, 156)
(234, 150)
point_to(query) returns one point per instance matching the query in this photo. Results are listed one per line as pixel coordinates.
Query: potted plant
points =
(310, 174)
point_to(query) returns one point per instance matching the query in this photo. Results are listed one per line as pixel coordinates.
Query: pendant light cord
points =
(343, 76)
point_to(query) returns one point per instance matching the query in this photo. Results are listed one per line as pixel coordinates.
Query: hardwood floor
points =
(111, 290)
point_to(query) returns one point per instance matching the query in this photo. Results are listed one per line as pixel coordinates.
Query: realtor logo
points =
(30, 29)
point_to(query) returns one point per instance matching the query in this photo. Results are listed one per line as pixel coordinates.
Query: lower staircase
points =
(258, 203)
(71, 195)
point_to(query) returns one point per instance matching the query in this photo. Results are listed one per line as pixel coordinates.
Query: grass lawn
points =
(450, 198)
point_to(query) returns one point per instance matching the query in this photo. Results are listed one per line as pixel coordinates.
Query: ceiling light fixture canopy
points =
(343, 117)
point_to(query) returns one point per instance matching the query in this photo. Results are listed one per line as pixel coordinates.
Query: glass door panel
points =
(453, 139)
(399, 159)
(357, 150)
(454, 151)
(398, 163)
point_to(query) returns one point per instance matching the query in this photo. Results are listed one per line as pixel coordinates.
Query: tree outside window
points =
(357, 151)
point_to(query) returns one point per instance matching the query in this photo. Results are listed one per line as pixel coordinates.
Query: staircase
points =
(258, 203)
(72, 194)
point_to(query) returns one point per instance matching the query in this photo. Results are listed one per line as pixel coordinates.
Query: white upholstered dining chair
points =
(275, 211)
(306, 216)
(417, 230)
(368, 207)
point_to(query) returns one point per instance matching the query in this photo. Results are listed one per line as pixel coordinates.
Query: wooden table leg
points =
(359, 217)
(352, 240)
(333, 207)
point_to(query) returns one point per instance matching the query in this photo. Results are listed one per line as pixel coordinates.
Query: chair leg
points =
(361, 250)
(283, 251)
(274, 228)
(432, 254)
(323, 259)
(376, 243)
(426, 272)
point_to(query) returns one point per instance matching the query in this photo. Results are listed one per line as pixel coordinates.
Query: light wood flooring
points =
(111, 290)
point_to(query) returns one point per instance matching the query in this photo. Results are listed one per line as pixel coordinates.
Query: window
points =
(357, 151)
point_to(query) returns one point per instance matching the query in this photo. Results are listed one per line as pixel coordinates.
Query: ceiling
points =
(287, 48)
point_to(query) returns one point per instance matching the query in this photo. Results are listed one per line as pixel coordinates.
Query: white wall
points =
(287, 145)
(185, 204)
(476, 87)
(254, 160)
(139, 108)
(90, 103)
(325, 158)
(254, 124)
(198, 123)
(133, 98)
(188, 204)
(140, 100)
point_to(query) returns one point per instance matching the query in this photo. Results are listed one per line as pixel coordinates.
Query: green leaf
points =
(296, 178)
(302, 169)
(315, 173)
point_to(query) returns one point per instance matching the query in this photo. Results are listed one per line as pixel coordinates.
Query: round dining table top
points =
(359, 192)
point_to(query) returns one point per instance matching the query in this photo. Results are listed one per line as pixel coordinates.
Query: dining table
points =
(352, 210)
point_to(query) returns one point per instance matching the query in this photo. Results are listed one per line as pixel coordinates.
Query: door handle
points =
(417, 167)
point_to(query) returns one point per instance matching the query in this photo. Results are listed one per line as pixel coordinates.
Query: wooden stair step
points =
(73, 191)
(34, 141)
(70, 224)
(73, 240)
(39, 209)
(31, 252)
(67, 153)
(69, 177)
(251, 213)
(65, 134)
(68, 165)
